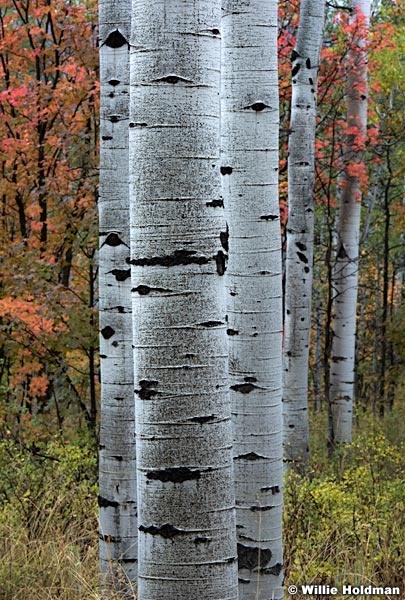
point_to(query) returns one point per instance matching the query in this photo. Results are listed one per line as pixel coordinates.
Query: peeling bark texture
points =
(117, 471)
(345, 273)
(249, 132)
(186, 515)
(300, 233)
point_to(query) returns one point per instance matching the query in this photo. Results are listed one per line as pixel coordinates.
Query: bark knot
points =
(244, 388)
(147, 392)
(167, 531)
(174, 474)
(115, 39)
(253, 557)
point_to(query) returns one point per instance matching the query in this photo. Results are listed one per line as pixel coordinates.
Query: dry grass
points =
(344, 525)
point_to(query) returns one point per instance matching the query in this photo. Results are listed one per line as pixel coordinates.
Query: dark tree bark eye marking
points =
(302, 257)
(274, 489)
(261, 508)
(174, 474)
(232, 331)
(308, 63)
(167, 531)
(301, 246)
(215, 203)
(221, 262)
(104, 503)
(107, 332)
(295, 70)
(115, 40)
(114, 118)
(257, 106)
(121, 274)
(269, 217)
(226, 170)
(244, 388)
(275, 569)
(106, 138)
(342, 252)
(144, 290)
(211, 324)
(250, 456)
(250, 379)
(294, 55)
(114, 82)
(146, 392)
(172, 78)
(179, 257)
(147, 383)
(250, 558)
(114, 240)
(203, 420)
(224, 237)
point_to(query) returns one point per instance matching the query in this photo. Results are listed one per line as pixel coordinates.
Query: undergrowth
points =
(344, 524)
(48, 521)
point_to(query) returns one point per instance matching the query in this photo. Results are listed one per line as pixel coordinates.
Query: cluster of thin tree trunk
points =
(193, 369)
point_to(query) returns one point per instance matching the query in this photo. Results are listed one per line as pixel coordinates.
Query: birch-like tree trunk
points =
(345, 277)
(187, 541)
(249, 168)
(300, 232)
(117, 474)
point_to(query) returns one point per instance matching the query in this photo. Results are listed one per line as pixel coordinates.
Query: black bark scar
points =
(174, 474)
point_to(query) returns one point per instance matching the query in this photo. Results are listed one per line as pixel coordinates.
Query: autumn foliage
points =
(48, 150)
(48, 195)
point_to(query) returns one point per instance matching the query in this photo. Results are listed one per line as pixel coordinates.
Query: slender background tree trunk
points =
(300, 232)
(117, 477)
(345, 276)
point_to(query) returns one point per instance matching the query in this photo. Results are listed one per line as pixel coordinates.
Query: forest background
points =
(344, 522)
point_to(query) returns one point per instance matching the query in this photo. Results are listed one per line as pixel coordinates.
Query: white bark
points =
(117, 475)
(187, 545)
(300, 232)
(249, 167)
(345, 280)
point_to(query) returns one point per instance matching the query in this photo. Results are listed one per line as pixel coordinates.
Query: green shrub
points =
(48, 521)
(345, 523)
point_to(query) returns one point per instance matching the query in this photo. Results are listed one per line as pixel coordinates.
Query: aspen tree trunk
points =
(117, 475)
(249, 168)
(345, 278)
(187, 541)
(300, 232)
